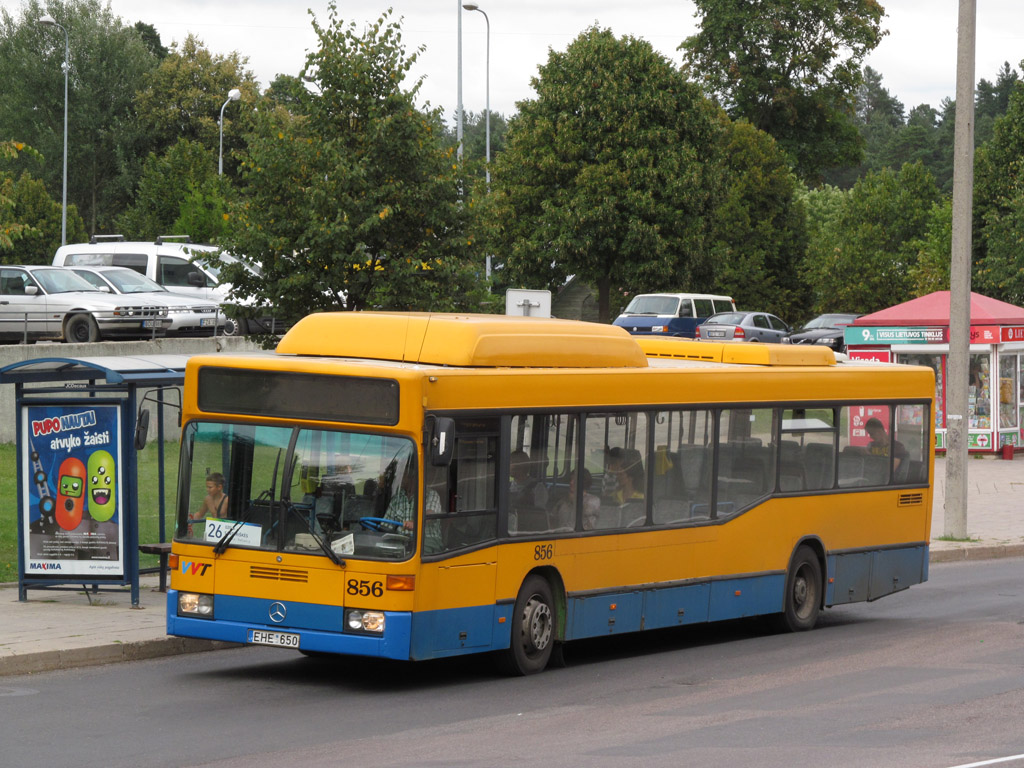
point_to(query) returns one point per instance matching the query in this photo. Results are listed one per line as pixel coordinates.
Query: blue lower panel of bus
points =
(859, 576)
(618, 612)
(236, 616)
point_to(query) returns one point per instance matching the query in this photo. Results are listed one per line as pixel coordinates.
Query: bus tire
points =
(81, 329)
(533, 628)
(803, 592)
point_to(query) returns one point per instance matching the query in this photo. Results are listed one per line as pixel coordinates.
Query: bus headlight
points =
(195, 604)
(365, 621)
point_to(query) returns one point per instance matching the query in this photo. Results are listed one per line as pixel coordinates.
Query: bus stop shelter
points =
(79, 426)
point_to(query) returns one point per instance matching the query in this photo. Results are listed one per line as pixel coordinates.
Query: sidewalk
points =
(61, 629)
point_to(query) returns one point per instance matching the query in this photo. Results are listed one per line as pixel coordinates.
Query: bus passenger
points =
(565, 510)
(216, 502)
(881, 444)
(526, 492)
(626, 468)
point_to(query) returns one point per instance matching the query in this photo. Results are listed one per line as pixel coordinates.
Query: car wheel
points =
(81, 329)
(236, 327)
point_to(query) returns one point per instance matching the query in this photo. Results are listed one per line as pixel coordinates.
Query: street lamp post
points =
(233, 95)
(487, 108)
(49, 21)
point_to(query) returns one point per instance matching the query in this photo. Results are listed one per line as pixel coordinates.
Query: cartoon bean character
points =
(101, 486)
(70, 493)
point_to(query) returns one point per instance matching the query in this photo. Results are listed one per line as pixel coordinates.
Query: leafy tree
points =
(991, 100)
(38, 217)
(10, 228)
(352, 204)
(863, 251)
(169, 186)
(152, 40)
(107, 62)
(998, 201)
(760, 227)
(790, 67)
(930, 273)
(611, 173)
(182, 99)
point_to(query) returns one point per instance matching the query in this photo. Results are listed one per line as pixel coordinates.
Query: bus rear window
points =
(289, 395)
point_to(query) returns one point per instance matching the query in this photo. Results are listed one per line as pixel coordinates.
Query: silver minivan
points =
(50, 303)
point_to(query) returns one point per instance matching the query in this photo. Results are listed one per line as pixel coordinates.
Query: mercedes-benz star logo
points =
(278, 612)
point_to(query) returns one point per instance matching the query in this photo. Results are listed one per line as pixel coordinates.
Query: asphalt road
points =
(929, 678)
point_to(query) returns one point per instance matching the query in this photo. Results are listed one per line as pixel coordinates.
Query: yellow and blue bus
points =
(414, 486)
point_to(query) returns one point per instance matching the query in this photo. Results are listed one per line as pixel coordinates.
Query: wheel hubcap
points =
(536, 625)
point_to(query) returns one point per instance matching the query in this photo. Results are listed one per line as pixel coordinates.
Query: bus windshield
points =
(298, 490)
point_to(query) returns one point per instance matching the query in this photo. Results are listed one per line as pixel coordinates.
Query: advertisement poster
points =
(72, 514)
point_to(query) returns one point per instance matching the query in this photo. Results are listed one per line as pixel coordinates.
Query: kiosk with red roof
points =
(917, 332)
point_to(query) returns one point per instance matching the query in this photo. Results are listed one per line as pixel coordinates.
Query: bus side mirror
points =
(141, 428)
(442, 441)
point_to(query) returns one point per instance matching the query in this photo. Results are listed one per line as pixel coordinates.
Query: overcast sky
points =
(917, 59)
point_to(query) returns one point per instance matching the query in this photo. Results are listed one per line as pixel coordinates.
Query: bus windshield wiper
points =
(331, 555)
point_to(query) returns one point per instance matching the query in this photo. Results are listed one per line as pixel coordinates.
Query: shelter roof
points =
(148, 370)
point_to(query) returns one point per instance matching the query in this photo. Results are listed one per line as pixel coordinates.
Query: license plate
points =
(716, 334)
(151, 323)
(280, 639)
(206, 322)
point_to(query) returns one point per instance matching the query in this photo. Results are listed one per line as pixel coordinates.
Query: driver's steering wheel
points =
(378, 523)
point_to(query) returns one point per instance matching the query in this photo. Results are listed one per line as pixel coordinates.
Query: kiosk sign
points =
(71, 478)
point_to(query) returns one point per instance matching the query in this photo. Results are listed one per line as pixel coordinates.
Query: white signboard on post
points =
(526, 303)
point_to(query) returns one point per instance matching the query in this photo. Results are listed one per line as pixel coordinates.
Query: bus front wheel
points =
(533, 628)
(803, 592)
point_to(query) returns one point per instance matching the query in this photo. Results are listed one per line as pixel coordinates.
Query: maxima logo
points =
(44, 566)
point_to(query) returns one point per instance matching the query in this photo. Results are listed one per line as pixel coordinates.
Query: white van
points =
(167, 260)
(671, 314)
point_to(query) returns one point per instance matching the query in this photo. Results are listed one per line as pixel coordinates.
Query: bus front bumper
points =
(393, 643)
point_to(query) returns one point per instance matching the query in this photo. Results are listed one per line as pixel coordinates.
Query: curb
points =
(975, 552)
(48, 661)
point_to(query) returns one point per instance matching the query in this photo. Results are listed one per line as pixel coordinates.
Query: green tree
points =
(182, 99)
(930, 272)
(39, 216)
(761, 227)
(791, 68)
(183, 180)
(611, 173)
(108, 60)
(863, 251)
(352, 204)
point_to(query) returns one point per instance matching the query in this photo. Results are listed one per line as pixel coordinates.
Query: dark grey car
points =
(826, 330)
(743, 326)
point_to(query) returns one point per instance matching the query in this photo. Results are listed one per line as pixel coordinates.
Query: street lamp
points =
(49, 21)
(487, 108)
(233, 95)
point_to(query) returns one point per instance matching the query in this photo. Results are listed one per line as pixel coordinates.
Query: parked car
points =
(671, 314)
(189, 316)
(51, 303)
(743, 326)
(824, 329)
(169, 261)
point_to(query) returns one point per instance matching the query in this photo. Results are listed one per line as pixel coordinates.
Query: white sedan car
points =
(53, 303)
(190, 315)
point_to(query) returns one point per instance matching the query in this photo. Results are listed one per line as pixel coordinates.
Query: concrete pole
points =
(957, 367)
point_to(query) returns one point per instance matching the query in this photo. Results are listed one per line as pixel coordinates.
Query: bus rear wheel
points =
(533, 628)
(803, 592)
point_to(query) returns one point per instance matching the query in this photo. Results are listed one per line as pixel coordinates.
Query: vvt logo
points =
(195, 568)
(44, 566)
